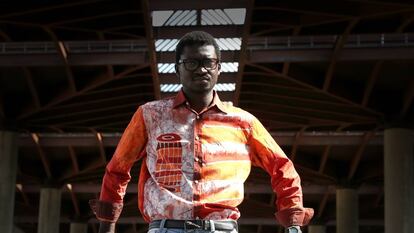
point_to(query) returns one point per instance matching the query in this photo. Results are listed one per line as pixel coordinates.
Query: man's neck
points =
(199, 101)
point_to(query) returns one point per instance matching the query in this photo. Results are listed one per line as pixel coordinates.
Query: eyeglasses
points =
(194, 64)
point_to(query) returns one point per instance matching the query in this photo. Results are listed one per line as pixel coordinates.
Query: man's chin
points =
(203, 89)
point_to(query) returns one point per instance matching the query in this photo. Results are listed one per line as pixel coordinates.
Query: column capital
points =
(397, 124)
(52, 183)
(317, 222)
(399, 128)
(8, 130)
(79, 219)
(347, 184)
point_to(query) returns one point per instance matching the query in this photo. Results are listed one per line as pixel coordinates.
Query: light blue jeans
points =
(162, 229)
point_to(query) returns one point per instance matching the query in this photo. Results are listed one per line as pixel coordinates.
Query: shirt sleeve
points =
(117, 174)
(285, 181)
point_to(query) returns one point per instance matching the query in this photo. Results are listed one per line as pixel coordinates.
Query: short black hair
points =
(199, 38)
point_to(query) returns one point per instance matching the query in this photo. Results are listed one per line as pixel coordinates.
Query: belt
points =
(221, 225)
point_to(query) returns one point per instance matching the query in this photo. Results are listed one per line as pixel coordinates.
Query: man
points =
(197, 152)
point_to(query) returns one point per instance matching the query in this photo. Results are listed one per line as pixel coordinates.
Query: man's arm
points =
(285, 181)
(117, 174)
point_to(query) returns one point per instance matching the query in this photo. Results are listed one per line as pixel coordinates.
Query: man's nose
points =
(201, 69)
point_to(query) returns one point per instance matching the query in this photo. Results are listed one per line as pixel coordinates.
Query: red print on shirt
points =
(168, 167)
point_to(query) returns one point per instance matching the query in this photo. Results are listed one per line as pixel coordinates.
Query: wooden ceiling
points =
(325, 78)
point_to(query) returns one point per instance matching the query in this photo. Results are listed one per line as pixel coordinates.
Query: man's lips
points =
(202, 78)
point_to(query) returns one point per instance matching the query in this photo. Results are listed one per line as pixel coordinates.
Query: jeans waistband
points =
(221, 225)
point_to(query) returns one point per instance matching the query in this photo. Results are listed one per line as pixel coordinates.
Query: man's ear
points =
(219, 68)
(177, 71)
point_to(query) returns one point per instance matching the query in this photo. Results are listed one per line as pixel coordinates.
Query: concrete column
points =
(77, 227)
(8, 167)
(399, 180)
(17, 230)
(49, 210)
(346, 210)
(316, 229)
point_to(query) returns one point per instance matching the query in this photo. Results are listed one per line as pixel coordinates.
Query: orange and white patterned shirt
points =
(195, 164)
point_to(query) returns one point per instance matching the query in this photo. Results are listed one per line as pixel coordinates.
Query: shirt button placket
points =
(196, 177)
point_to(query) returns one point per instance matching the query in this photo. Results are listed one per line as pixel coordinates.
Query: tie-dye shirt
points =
(195, 164)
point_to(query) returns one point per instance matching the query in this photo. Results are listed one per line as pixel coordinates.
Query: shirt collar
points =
(181, 99)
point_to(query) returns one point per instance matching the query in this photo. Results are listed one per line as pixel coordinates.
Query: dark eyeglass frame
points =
(199, 62)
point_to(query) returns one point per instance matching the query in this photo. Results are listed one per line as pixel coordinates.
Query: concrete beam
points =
(321, 55)
(91, 59)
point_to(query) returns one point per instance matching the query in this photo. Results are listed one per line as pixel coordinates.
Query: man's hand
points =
(106, 227)
(293, 229)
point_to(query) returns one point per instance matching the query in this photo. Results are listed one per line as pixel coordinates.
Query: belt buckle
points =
(188, 224)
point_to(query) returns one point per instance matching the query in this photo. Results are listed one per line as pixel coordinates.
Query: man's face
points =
(204, 77)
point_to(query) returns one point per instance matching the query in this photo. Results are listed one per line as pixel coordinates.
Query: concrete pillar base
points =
(399, 180)
(49, 210)
(316, 229)
(8, 168)
(346, 210)
(77, 227)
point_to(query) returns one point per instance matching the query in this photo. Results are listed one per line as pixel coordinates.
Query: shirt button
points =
(196, 137)
(196, 181)
(196, 159)
(203, 164)
(197, 117)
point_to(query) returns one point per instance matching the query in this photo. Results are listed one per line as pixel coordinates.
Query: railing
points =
(328, 42)
(74, 47)
(256, 43)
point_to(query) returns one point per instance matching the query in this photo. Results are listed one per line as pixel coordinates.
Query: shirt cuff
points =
(106, 211)
(294, 216)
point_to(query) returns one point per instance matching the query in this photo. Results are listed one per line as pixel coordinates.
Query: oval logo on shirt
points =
(168, 137)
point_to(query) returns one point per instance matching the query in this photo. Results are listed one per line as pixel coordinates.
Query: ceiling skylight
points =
(218, 87)
(226, 67)
(174, 18)
(231, 16)
(225, 44)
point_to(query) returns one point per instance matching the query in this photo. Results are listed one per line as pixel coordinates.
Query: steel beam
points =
(173, 79)
(226, 56)
(253, 56)
(220, 31)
